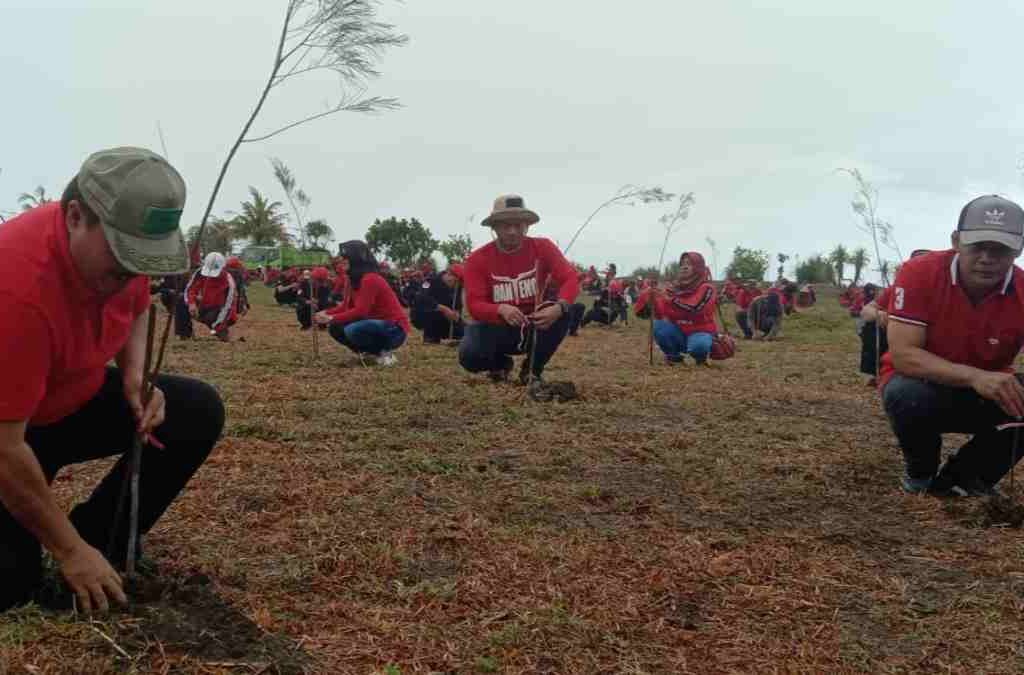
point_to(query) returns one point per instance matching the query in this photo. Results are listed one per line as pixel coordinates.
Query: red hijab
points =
(701, 273)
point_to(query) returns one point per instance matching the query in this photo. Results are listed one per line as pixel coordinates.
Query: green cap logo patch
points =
(161, 221)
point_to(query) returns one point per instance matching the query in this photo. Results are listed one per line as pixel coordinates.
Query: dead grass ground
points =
(417, 519)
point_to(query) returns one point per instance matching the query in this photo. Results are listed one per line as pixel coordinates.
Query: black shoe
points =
(503, 374)
(976, 487)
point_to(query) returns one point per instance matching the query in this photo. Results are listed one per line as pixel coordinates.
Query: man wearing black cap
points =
(956, 324)
(73, 297)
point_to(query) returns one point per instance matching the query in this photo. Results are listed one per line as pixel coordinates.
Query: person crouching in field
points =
(212, 297)
(764, 317)
(956, 325)
(437, 306)
(313, 295)
(88, 257)
(744, 293)
(504, 279)
(685, 312)
(371, 320)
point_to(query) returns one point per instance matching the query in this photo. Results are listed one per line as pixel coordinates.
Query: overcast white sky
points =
(750, 105)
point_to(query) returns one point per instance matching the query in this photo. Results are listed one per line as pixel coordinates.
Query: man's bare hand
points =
(511, 315)
(883, 318)
(545, 318)
(1003, 388)
(448, 312)
(149, 419)
(92, 579)
(322, 318)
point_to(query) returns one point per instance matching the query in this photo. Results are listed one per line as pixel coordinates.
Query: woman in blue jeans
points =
(685, 312)
(370, 320)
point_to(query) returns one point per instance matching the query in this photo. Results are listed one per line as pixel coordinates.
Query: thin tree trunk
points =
(252, 118)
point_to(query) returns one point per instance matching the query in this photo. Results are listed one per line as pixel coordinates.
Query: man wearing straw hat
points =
(74, 295)
(505, 281)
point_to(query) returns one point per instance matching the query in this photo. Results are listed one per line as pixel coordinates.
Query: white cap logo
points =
(994, 217)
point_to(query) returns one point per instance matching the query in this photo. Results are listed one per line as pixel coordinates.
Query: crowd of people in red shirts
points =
(76, 340)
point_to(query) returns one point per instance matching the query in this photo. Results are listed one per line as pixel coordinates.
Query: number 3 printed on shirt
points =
(900, 296)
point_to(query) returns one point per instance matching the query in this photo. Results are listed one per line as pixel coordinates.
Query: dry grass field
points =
(738, 518)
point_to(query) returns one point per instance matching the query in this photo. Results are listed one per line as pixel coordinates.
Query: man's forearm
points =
(26, 494)
(922, 364)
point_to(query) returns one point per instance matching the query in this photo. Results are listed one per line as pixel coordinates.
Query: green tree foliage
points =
(401, 241)
(261, 221)
(457, 248)
(839, 257)
(782, 258)
(649, 272)
(318, 233)
(815, 270)
(30, 200)
(859, 259)
(748, 263)
(219, 235)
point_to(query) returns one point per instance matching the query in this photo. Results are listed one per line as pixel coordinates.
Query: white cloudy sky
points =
(750, 105)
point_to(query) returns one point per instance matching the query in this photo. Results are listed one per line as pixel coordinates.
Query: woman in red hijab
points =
(685, 312)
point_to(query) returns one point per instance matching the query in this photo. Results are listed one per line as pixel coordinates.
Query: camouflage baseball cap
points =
(139, 198)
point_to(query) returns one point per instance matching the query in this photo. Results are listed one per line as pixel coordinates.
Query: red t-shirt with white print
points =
(494, 277)
(988, 335)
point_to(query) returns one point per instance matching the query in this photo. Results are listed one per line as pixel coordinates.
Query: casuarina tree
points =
(865, 205)
(401, 241)
(340, 37)
(627, 194)
(30, 200)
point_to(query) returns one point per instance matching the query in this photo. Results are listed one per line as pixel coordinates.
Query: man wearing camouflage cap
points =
(955, 326)
(74, 295)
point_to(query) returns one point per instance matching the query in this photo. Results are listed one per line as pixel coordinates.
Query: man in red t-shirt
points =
(73, 297)
(744, 293)
(505, 283)
(956, 324)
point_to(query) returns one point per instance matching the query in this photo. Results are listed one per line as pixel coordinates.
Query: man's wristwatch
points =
(565, 307)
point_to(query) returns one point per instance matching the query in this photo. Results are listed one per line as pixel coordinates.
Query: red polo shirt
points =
(987, 335)
(56, 336)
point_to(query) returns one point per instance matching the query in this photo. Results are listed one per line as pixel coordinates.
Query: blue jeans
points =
(488, 347)
(920, 412)
(674, 342)
(369, 336)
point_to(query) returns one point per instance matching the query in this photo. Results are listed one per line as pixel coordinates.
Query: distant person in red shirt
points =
(371, 320)
(956, 325)
(685, 313)
(212, 296)
(744, 295)
(505, 283)
(74, 296)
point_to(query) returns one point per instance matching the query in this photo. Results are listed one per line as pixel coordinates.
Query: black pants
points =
(103, 427)
(598, 315)
(744, 324)
(436, 326)
(304, 313)
(489, 347)
(182, 319)
(576, 313)
(920, 412)
(869, 355)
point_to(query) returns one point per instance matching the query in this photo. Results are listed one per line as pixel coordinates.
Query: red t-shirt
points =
(374, 299)
(56, 335)
(218, 293)
(495, 278)
(987, 336)
(883, 299)
(744, 297)
(693, 311)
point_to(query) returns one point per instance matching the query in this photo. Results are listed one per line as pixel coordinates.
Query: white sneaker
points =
(387, 359)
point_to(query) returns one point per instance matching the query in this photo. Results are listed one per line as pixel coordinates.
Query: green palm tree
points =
(859, 259)
(839, 257)
(261, 221)
(30, 200)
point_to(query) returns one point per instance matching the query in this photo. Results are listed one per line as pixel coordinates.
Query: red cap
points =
(235, 263)
(320, 273)
(457, 269)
